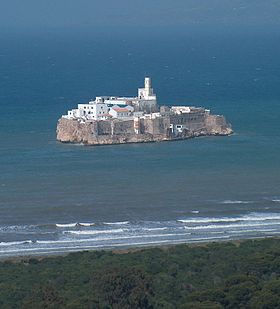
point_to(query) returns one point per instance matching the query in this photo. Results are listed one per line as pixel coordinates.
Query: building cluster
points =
(108, 107)
(140, 110)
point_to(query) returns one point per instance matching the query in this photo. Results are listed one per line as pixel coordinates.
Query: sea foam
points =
(63, 225)
(236, 202)
(14, 243)
(250, 217)
(116, 223)
(227, 226)
(94, 232)
(86, 224)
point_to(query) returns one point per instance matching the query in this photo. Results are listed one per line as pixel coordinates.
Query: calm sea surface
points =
(59, 197)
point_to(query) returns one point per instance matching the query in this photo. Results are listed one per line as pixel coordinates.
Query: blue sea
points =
(60, 197)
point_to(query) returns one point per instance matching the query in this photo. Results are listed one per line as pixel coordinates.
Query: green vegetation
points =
(218, 275)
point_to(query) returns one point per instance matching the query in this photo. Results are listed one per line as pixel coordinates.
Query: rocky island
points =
(120, 120)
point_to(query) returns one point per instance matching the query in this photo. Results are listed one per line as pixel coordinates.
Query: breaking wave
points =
(85, 235)
(63, 225)
(14, 243)
(75, 224)
(155, 229)
(116, 223)
(236, 202)
(86, 224)
(226, 226)
(94, 232)
(251, 217)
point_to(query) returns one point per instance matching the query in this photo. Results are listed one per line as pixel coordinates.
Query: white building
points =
(104, 106)
(121, 112)
(181, 109)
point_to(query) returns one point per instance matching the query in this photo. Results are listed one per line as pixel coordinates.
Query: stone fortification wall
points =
(72, 131)
(104, 127)
(193, 121)
(115, 127)
(158, 129)
(124, 127)
(157, 126)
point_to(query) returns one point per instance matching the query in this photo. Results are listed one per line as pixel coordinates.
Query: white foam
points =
(276, 200)
(227, 226)
(86, 224)
(95, 232)
(62, 225)
(236, 202)
(251, 217)
(53, 241)
(195, 211)
(116, 223)
(14, 243)
(155, 229)
(210, 220)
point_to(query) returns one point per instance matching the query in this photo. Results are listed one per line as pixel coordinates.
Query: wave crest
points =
(116, 223)
(63, 225)
(13, 243)
(236, 202)
(94, 232)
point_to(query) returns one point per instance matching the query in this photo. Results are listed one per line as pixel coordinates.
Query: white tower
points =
(148, 86)
(146, 93)
(147, 100)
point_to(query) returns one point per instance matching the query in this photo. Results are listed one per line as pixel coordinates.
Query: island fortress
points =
(119, 120)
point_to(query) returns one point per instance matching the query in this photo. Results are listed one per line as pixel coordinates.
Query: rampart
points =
(168, 126)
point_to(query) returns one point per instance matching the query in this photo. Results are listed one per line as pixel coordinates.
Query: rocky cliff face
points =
(217, 125)
(122, 132)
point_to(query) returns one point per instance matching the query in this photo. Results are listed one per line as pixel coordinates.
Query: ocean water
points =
(59, 197)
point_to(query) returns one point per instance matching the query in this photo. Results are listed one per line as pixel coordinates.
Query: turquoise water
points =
(204, 188)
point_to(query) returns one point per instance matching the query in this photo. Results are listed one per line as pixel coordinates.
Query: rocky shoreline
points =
(98, 132)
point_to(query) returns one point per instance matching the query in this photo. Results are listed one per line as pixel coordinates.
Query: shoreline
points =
(123, 249)
(167, 140)
(117, 131)
(65, 238)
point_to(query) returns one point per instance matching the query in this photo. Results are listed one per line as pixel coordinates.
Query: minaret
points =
(147, 100)
(148, 86)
